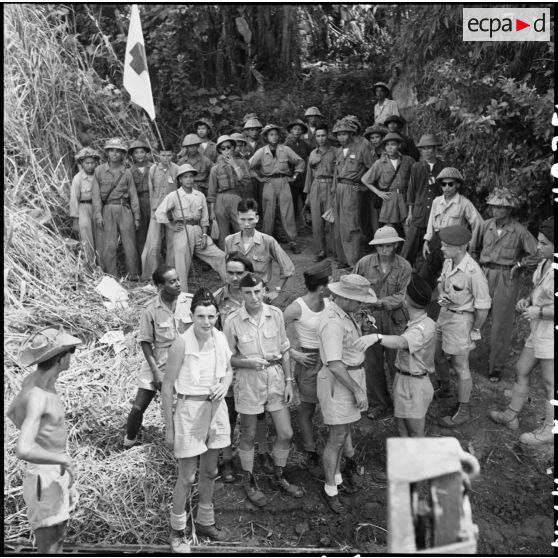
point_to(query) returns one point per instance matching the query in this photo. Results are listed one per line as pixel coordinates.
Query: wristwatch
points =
(380, 337)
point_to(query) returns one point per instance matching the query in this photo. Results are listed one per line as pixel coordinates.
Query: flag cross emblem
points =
(139, 62)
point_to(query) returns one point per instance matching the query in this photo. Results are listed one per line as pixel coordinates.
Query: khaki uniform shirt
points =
(250, 339)
(201, 163)
(382, 171)
(465, 285)
(161, 183)
(226, 303)
(141, 178)
(337, 332)
(125, 191)
(382, 111)
(352, 166)
(418, 357)
(223, 178)
(80, 191)
(514, 243)
(194, 206)
(263, 250)
(321, 164)
(209, 151)
(263, 163)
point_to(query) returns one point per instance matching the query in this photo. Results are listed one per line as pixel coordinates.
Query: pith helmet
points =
(46, 344)
(392, 136)
(223, 139)
(237, 136)
(268, 129)
(252, 123)
(450, 172)
(139, 143)
(297, 122)
(429, 140)
(205, 121)
(343, 126)
(182, 169)
(395, 118)
(381, 84)
(116, 143)
(313, 111)
(87, 152)
(376, 129)
(191, 139)
(501, 197)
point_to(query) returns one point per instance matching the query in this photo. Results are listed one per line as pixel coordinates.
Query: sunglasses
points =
(448, 184)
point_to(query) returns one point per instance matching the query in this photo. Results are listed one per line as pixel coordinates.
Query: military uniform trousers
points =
(412, 247)
(226, 213)
(151, 255)
(118, 218)
(347, 223)
(186, 245)
(504, 293)
(88, 232)
(320, 200)
(277, 191)
(145, 217)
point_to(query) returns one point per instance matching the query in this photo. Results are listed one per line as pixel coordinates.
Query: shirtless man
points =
(38, 413)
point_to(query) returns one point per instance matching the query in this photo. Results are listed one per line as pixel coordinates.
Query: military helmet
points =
(237, 136)
(116, 143)
(450, 172)
(376, 129)
(268, 129)
(297, 122)
(139, 143)
(391, 136)
(223, 139)
(501, 197)
(429, 140)
(382, 85)
(182, 169)
(204, 121)
(394, 118)
(87, 152)
(313, 111)
(343, 126)
(353, 118)
(191, 139)
(252, 123)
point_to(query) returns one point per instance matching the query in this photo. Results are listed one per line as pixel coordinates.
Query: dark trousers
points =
(414, 241)
(432, 267)
(145, 217)
(365, 214)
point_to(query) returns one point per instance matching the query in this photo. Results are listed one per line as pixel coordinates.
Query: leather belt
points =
(455, 311)
(273, 362)
(192, 222)
(85, 201)
(355, 366)
(324, 178)
(193, 397)
(412, 375)
(306, 350)
(146, 193)
(497, 266)
(276, 175)
(121, 201)
(349, 181)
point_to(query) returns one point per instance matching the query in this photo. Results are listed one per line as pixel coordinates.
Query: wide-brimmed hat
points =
(354, 119)
(312, 111)
(223, 139)
(87, 152)
(501, 197)
(46, 344)
(116, 143)
(344, 125)
(191, 139)
(252, 123)
(139, 143)
(429, 140)
(450, 172)
(355, 287)
(184, 169)
(376, 129)
(268, 129)
(385, 235)
(391, 136)
(237, 136)
(394, 118)
(205, 121)
(381, 84)
(297, 122)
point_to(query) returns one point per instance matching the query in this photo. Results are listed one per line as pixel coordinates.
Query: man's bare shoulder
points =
(30, 397)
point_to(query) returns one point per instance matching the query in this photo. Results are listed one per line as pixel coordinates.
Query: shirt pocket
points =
(164, 330)
(509, 247)
(282, 163)
(247, 344)
(270, 342)
(459, 292)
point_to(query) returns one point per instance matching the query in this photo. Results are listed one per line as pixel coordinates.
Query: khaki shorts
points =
(541, 338)
(256, 391)
(411, 396)
(48, 496)
(338, 404)
(145, 376)
(199, 426)
(454, 331)
(307, 379)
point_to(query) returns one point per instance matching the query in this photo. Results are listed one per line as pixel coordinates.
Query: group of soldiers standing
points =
(364, 345)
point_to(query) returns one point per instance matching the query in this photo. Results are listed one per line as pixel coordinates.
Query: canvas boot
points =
(460, 417)
(508, 418)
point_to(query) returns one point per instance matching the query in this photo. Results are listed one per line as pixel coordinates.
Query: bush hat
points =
(450, 172)
(182, 169)
(268, 129)
(237, 136)
(354, 287)
(252, 123)
(343, 126)
(501, 197)
(385, 235)
(87, 152)
(191, 139)
(429, 140)
(376, 129)
(45, 344)
(223, 139)
(205, 121)
(313, 111)
(297, 122)
(457, 235)
(381, 84)
(419, 291)
(318, 271)
(394, 118)
(391, 136)
(138, 143)
(116, 143)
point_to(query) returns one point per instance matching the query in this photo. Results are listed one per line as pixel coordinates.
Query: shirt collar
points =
(507, 227)
(338, 310)
(243, 313)
(421, 318)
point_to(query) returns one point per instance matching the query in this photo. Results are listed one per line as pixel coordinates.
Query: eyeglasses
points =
(448, 184)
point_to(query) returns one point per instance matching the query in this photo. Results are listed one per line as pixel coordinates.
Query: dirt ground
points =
(511, 500)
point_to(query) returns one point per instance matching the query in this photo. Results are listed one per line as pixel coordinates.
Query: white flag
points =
(136, 76)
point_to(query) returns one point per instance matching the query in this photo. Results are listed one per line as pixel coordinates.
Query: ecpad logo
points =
(506, 24)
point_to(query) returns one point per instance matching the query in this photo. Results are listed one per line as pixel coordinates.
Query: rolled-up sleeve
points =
(146, 330)
(479, 288)
(331, 337)
(286, 266)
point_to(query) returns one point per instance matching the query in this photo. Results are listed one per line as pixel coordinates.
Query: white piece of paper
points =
(115, 339)
(112, 289)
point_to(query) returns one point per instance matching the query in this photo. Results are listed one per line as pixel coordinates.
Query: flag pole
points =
(159, 134)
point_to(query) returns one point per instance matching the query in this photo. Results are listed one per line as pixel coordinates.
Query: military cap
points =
(381, 84)
(116, 143)
(501, 197)
(391, 136)
(87, 152)
(237, 136)
(450, 172)
(394, 118)
(419, 291)
(353, 118)
(429, 140)
(547, 228)
(344, 126)
(252, 123)
(138, 143)
(205, 121)
(191, 139)
(312, 111)
(223, 139)
(46, 344)
(297, 122)
(268, 129)
(456, 235)
(376, 129)
(182, 169)
(318, 271)
(250, 280)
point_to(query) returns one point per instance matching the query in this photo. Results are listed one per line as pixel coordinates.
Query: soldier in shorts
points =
(38, 413)
(257, 338)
